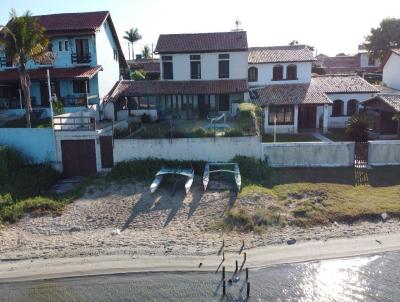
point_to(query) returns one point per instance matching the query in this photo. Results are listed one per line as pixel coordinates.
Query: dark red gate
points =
(106, 149)
(361, 154)
(79, 157)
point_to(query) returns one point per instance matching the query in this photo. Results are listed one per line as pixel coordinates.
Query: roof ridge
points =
(205, 33)
(299, 46)
(74, 13)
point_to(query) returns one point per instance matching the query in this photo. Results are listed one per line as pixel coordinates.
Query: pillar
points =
(296, 119)
(325, 119)
(266, 119)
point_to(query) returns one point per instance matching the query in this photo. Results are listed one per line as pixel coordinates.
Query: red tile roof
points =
(280, 54)
(148, 65)
(343, 84)
(83, 22)
(288, 94)
(82, 73)
(202, 42)
(134, 88)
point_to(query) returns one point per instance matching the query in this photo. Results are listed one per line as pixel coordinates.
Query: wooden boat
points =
(235, 171)
(189, 173)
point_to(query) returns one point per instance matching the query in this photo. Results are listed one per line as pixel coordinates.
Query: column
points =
(266, 119)
(325, 120)
(296, 119)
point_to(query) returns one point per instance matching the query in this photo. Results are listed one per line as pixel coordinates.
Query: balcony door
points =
(82, 50)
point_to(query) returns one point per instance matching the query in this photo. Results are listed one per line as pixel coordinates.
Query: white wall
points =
(209, 65)
(309, 154)
(265, 72)
(208, 149)
(391, 72)
(382, 153)
(364, 57)
(105, 46)
(340, 121)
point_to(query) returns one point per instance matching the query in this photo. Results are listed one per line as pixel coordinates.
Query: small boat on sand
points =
(189, 173)
(221, 167)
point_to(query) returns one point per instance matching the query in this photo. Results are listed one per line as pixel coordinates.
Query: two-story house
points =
(281, 81)
(87, 63)
(201, 74)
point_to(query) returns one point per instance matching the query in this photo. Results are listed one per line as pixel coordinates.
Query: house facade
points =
(86, 65)
(200, 75)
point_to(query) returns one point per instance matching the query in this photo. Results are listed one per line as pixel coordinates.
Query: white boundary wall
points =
(207, 149)
(309, 154)
(383, 153)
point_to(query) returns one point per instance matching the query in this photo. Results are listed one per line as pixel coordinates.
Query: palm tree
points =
(132, 36)
(146, 52)
(24, 40)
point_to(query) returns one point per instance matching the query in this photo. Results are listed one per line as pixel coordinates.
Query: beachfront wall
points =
(383, 153)
(36, 144)
(309, 154)
(207, 149)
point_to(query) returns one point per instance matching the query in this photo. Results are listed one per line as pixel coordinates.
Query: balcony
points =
(74, 101)
(78, 121)
(81, 58)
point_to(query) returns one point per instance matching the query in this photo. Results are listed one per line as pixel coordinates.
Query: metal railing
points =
(81, 58)
(74, 123)
(74, 101)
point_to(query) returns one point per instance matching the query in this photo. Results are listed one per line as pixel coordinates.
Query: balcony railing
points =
(81, 58)
(74, 100)
(74, 123)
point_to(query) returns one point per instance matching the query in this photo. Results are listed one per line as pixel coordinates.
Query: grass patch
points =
(21, 123)
(289, 138)
(337, 135)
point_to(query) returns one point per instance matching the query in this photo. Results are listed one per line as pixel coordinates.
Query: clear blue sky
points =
(332, 26)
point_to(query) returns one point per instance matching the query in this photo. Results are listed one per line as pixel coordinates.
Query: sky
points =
(331, 26)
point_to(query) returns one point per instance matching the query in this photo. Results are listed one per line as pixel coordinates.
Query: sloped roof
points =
(392, 100)
(202, 42)
(148, 65)
(136, 88)
(343, 84)
(79, 73)
(288, 94)
(340, 64)
(89, 21)
(280, 54)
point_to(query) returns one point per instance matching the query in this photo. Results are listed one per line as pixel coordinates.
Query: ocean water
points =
(369, 278)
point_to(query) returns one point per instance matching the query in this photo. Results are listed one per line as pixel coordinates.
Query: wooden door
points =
(307, 117)
(106, 148)
(79, 157)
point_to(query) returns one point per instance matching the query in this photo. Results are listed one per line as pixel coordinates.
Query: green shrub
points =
(201, 132)
(147, 168)
(248, 118)
(234, 133)
(10, 161)
(138, 75)
(58, 107)
(252, 169)
(145, 118)
(357, 127)
(176, 134)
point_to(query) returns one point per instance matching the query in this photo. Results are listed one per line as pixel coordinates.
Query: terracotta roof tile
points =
(392, 100)
(55, 73)
(133, 88)
(280, 54)
(148, 65)
(343, 84)
(288, 94)
(202, 42)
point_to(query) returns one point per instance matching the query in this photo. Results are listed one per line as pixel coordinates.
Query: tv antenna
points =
(238, 23)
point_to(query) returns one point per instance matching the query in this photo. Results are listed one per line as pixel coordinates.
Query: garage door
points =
(78, 157)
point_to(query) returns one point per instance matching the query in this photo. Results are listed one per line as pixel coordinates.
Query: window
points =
(66, 45)
(291, 72)
(277, 73)
(352, 107)
(167, 67)
(223, 64)
(80, 87)
(371, 61)
(223, 104)
(60, 46)
(195, 67)
(337, 108)
(284, 115)
(253, 74)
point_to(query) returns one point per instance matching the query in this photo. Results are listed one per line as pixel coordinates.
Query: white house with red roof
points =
(88, 57)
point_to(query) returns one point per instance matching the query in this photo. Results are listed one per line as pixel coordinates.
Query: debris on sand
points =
(291, 241)
(115, 232)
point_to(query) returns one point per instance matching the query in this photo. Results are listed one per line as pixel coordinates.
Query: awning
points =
(77, 73)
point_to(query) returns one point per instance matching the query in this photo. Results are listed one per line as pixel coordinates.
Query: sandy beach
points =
(162, 226)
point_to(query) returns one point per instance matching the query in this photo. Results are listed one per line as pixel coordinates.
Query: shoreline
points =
(257, 258)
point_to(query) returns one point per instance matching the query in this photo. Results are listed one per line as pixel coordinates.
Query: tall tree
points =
(384, 37)
(146, 52)
(24, 40)
(132, 36)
